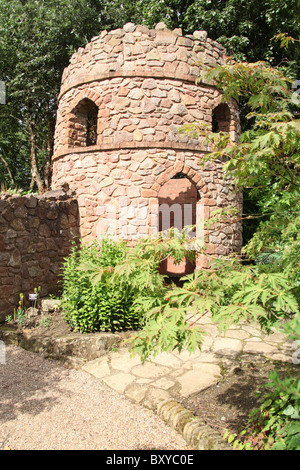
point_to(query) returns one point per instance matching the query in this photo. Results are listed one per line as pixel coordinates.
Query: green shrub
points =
(277, 419)
(106, 305)
(275, 424)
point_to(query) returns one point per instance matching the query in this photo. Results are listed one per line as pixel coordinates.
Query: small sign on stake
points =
(33, 297)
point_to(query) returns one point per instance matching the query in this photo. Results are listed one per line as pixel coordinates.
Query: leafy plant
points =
(46, 321)
(276, 423)
(229, 292)
(136, 273)
(20, 314)
(106, 305)
(267, 162)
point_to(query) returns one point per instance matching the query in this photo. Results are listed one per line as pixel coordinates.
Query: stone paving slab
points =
(182, 374)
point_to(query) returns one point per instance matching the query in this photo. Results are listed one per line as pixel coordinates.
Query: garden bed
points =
(227, 405)
(50, 335)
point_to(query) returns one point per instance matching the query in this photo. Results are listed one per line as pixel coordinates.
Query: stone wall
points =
(142, 84)
(35, 236)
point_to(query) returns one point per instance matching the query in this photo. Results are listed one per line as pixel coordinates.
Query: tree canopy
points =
(244, 27)
(39, 36)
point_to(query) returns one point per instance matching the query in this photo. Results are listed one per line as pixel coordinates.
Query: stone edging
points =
(193, 429)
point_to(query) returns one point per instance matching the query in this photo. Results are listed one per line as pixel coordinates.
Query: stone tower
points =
(122, 100)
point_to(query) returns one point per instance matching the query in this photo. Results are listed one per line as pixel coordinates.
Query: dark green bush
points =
(106, 305)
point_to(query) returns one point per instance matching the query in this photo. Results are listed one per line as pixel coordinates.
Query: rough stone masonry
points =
(123, 99)
(35, 236)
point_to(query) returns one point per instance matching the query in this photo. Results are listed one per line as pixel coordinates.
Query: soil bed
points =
(53, 338)
(227, 405)
(53, 325)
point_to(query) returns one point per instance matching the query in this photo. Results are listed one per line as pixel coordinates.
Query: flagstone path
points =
(168, 375)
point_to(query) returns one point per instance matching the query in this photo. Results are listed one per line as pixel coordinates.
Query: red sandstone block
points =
(208, 202)
(146, 193)
(202, 262)
(123, 91)
(104, 113)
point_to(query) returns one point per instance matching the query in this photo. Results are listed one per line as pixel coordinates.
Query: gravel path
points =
(47, 407)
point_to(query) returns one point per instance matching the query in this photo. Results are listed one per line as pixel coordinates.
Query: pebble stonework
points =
(123, 98)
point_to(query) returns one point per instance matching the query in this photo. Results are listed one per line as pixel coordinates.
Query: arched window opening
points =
(221, 118)
(83, 132)
(177, 203)
(91, 129)
(178, 176)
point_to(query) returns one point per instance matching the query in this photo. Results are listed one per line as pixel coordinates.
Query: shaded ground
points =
(228, 404)
(45, 406)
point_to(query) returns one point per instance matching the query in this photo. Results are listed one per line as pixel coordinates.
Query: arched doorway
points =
(177, 201)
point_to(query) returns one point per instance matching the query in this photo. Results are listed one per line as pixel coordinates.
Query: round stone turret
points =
(122, 102)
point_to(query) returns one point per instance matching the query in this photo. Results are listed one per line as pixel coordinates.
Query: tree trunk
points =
(48, 166)
(35, 175)
(8, 169)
